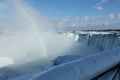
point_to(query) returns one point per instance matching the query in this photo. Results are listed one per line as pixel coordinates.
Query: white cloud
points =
(118, 15)
(63, 21)
(77, 19)
(66, 21)
(99, 7)
(92, 17)
(86, 18)
(111, 16)
(114, 16)
(104, 17)
(106, 20)
(106, 24)
(89, 18)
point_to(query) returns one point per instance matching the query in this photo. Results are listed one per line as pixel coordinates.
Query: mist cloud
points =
(28, 35)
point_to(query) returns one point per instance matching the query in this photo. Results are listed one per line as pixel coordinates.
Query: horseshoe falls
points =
(103, 41)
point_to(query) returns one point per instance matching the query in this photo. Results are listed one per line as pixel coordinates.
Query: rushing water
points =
(101, 41)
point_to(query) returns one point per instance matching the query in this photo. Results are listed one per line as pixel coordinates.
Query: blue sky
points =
(71, 12)
(73, 8)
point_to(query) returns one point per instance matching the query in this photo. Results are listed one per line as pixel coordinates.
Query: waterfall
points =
(101, 41)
